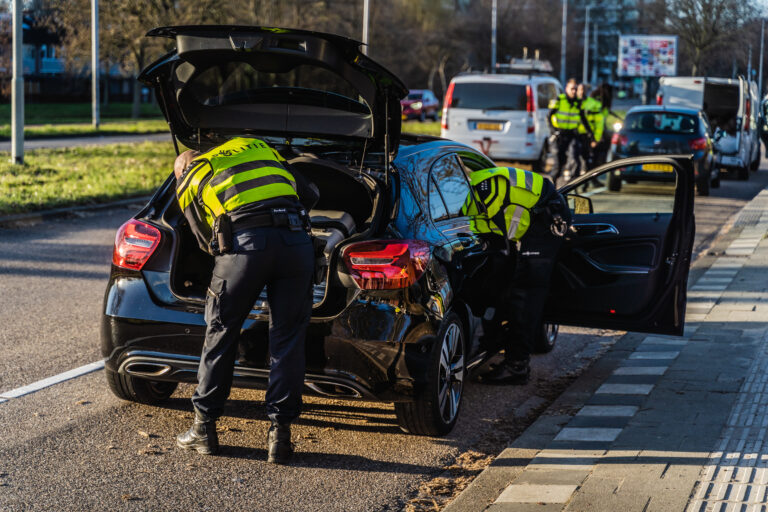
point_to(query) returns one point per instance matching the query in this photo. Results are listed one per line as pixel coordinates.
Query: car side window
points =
(437, 208)
(450, 179)
(545, 93)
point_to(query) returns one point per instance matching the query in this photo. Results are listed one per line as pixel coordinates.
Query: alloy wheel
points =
(451, 373)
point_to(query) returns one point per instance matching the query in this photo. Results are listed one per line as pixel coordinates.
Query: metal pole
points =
(760, 65)
(749, 65)
(595, 55)
(95, 63)
(563, 34)
(366, 14)
(17, 84)
(493, 36)
(585, 67)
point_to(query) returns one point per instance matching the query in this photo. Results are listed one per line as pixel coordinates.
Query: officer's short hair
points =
(572, 81)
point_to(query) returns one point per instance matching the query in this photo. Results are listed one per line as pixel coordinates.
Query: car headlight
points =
(416, 105)
(617, 126)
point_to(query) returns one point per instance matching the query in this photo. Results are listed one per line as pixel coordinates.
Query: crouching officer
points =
(242, 202)
(525, 218)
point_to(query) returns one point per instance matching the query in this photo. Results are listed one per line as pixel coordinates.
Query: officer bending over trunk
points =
(523, 216)
(249, 209)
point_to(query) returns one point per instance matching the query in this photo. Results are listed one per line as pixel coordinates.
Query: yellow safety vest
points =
(240, 172)
(567, 115)
(593, 111)
(513, 192)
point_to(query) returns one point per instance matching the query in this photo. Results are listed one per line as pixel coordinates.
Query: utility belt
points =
(553, 210)
(224, 228)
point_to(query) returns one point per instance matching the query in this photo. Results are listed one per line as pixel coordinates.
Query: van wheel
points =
(546, 338)
(540, 165)
(614, 182)
(742, 173)
(436, 407)
(422, 116)
(134, 389)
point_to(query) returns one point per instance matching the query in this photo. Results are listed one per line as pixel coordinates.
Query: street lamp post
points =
(493, 35)
(95, 115)
(366, 15)
(585, 67)
(563, 34)
(17, 87)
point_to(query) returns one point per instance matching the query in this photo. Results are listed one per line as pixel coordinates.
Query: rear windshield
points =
(485, 96)
(660, 122)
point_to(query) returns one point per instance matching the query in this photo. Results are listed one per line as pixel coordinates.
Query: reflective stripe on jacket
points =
(508, 195)
(567, 115)
(240, 172)
(593, 110)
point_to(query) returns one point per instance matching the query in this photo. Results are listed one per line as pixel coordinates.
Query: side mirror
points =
(579, 204)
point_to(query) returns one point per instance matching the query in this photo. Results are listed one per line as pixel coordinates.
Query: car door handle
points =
(596, 229)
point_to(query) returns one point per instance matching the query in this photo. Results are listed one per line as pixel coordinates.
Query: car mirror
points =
(579, 204)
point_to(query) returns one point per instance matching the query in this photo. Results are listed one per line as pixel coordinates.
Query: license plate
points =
(658, 168)
(494, 127)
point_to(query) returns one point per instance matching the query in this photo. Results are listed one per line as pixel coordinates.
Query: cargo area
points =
(346, 210)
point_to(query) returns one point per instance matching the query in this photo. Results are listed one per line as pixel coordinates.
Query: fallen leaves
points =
(144, 433)
(129, 497)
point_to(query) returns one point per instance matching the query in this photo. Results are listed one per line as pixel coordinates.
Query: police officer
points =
(524, 217)
(591, 132)
(565, 117)
(248, 208)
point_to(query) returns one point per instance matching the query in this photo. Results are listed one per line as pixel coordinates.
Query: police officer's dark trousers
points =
(282, 260)
(565, 140)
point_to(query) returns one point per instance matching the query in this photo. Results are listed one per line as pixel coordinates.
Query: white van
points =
(731, 104)
(503, 115)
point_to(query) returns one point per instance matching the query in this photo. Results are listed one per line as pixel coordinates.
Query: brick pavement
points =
(662, 423)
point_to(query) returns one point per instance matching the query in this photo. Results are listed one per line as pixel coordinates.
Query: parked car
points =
(396, 311)
(731, 105)
(420, 104)
(653, 130)
(503, 115)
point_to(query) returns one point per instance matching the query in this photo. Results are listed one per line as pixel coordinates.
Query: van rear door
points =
(489, 111)
(687, 91)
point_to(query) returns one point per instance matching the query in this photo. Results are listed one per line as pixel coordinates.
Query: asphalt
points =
(659, 423)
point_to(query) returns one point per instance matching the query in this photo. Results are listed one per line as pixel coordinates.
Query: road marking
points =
(654, 355)
(531, 493)
(640, 370)
(588, 434)
(625, 389)
(50, 381)
(608, 410)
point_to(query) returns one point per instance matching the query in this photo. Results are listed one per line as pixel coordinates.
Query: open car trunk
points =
(349, 208)
(722, 104)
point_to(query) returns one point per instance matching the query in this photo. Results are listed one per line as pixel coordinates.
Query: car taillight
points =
(619, 139)
(530, 107)
(659, 99)
(134, 244)
(447, 105)
(697, 144)
(386, 264)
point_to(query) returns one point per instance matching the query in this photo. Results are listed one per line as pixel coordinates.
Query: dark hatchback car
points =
(420, 104)
(663, 130)
(396, 311)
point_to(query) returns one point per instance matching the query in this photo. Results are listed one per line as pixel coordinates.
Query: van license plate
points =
(658, 168)
(494, 127)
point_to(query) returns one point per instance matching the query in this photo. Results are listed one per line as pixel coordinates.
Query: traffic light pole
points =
(563, 34)
(17, 86)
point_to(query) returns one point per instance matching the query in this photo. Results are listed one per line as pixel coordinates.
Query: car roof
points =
(664, 108)
(502, 78)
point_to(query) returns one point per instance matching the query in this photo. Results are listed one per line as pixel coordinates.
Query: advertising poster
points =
(645, 56)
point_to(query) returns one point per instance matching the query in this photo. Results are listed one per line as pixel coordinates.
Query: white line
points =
(50, 381)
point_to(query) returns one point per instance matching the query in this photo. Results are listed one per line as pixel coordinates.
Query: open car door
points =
(624, 263)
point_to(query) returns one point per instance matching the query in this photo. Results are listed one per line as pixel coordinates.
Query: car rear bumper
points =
(371, 351)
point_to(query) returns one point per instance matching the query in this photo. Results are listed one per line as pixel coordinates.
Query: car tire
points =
(702, 183)
(134, 389)
(545, 338)
(435, 408)
(614, 182)
(742, 173)
(716, 180)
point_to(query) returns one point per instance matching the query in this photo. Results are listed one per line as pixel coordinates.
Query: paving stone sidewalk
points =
(660, 423)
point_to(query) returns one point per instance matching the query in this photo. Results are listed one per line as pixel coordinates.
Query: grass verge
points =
(53, 178)
(57, 113)
(86, 129)
(427, 128)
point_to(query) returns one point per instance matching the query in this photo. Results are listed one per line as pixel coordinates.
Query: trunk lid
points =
(221, 81)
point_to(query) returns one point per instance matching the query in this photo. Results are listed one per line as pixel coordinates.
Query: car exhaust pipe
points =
(147, 369)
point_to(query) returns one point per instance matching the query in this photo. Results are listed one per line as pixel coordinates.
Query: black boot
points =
(279, 440)
(201, 436)
(508, 372)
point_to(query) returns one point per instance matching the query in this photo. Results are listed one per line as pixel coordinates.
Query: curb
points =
(10, 221)
(512, 461)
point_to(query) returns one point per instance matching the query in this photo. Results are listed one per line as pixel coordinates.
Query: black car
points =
(664, 130)
(395, 315)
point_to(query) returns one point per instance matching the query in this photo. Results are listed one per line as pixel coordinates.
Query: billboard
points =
(647, 55)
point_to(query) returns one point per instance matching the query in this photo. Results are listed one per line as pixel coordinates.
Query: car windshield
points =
(414, 96)
(489, 96)
(661, 122)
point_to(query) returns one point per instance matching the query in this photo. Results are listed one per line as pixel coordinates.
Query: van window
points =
(545, 92)
(661, 122)
(489, 96)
